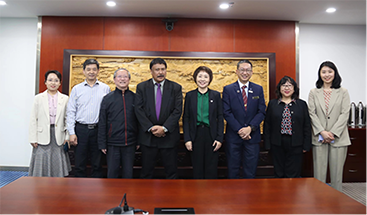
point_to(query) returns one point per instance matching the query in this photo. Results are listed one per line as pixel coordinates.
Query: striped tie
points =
(244, 96)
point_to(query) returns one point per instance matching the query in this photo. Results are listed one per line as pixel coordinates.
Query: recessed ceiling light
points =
(224, 6)
(111, 3)
(2, 3)
(331, 10)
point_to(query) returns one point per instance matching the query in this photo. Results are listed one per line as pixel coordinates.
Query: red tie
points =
(244, 96)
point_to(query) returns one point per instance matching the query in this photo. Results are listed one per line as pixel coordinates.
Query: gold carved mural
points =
(179, 69)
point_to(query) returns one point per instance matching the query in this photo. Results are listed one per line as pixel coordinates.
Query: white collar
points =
(162, 82)
(241, 85)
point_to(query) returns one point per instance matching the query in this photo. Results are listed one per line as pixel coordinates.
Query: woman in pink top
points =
(47, 131)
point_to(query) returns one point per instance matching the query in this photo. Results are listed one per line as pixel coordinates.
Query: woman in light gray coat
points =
(329, 111)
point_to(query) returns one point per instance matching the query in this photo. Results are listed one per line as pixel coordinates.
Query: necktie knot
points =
(158, 84)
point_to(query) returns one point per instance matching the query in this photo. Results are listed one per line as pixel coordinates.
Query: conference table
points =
(42, 195)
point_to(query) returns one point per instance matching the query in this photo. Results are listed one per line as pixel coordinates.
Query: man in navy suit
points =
(244, 110)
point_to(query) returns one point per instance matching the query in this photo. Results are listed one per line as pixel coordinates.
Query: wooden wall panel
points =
(150, 34)
(202, 35)
(136, 34)
(269, 36)
(59, 33)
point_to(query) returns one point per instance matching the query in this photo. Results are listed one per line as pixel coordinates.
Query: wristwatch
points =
(253, 128)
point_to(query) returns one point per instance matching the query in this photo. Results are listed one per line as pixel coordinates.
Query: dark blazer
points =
(301, 124)
(235, 114)
(215, 115)
(171, 110)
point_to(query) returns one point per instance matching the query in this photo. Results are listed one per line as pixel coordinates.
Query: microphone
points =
(121, 210)
(117, 210)
(127, 209)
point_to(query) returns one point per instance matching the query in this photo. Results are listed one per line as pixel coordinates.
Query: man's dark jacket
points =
(117, 124)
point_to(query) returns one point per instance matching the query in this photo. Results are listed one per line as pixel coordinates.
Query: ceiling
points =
(351, 12)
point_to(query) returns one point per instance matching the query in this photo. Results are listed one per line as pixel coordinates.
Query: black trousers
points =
(87, 147)
(149, 157)
(120, 156)
(287, 158)
(204, 159)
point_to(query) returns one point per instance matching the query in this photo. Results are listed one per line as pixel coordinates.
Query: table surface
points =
(36, 195)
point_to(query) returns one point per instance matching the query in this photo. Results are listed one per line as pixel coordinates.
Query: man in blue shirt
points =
(82, 118)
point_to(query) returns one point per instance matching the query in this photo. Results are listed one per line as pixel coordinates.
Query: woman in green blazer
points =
(203, 125)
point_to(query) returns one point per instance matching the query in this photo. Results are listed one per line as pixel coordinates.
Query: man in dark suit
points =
(244, 110)
(158, 107)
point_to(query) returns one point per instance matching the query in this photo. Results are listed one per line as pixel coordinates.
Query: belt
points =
(89, 126)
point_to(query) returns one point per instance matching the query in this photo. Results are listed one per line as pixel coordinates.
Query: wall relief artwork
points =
(180, 67)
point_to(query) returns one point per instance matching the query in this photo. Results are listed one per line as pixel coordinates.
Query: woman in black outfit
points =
(203, 125)
(287, 129)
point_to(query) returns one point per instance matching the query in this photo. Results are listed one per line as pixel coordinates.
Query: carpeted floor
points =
(7, 177)
(356, 191)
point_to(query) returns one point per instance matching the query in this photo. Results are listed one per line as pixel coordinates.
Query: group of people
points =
(96, 121)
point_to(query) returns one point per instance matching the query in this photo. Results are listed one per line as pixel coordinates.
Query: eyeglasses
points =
(122, 76)
(287, 86)
(53, 80)
(245, 70)
(91, 69)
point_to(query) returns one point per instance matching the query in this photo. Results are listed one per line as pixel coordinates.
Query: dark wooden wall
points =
(150, 34)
